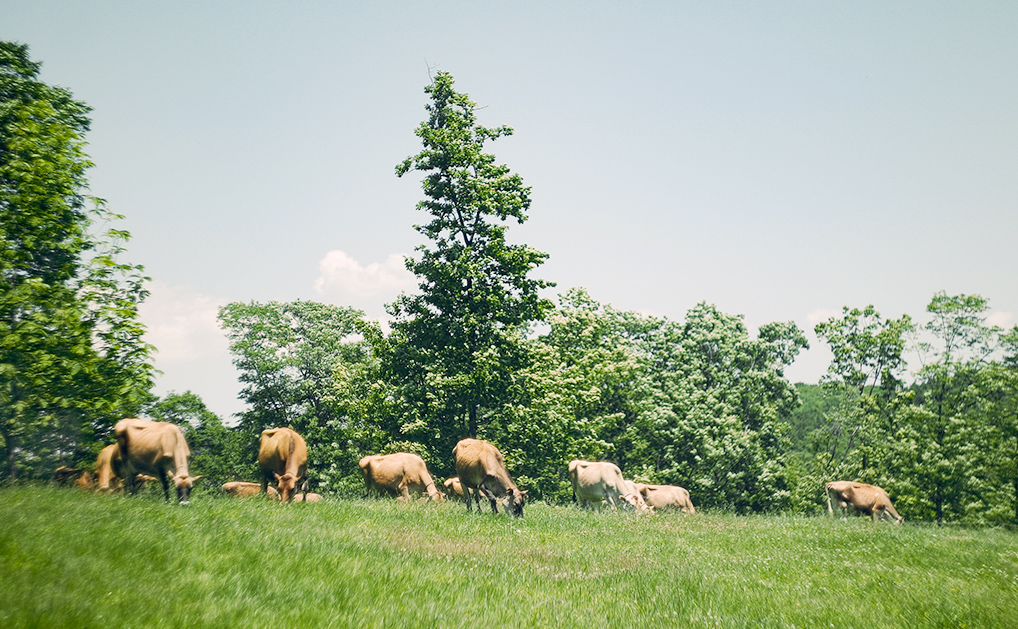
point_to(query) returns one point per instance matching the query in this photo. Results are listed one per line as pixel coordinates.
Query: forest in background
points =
(479, 352)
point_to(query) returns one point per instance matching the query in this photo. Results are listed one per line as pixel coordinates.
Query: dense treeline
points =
(478, 352)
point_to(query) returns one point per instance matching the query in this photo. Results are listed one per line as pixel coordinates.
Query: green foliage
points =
(296, 360)
(72, 358)
(354, 563)
(456, 351)
(945, 446)
(699, 404)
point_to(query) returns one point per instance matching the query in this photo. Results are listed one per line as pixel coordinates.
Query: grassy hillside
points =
(71, 559)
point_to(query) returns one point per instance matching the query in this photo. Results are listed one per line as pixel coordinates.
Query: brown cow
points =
(284, 455)
(397, 475)
(242, 489)
(63, 475)
(109, 468)
(662, 497)
(84, 481)
(481, 468)
(594, 482)
(156, 448)
(868, 499)
(453, 487)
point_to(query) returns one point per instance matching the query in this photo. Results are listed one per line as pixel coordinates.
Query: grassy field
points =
(72, 559)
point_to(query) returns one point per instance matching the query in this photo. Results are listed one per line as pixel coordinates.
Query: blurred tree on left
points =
(72, 358)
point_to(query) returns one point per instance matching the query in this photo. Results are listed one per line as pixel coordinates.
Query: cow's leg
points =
(489, 495)
(129, 483)
(166, 482)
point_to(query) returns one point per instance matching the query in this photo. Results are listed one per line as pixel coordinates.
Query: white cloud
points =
(345, 281)
(1003, 319)
(182, 324)
(193, 353)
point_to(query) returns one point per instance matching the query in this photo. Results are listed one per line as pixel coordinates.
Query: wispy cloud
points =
(1000, 318)
(182, 324)
(820, 314)
(345, 281)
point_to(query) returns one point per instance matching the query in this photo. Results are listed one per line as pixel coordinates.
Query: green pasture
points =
(75, 559)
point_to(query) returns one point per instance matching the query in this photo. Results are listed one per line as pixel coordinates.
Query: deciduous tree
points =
(72, 358)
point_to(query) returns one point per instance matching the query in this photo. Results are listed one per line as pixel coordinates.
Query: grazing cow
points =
(602, 481)
(109, 468)
(242, 489)
(156, 448)
(283, 455)
(868, 499)
(662, 497)
(397, 475)
(308, 497)
(641, 505)
(481, 468)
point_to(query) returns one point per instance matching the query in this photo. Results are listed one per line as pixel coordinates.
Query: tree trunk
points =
(1015, 481)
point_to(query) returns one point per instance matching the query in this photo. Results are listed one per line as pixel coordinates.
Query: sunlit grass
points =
(72, 559)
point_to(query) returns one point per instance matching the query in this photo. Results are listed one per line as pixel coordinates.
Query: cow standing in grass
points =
(397, 475)
(481, 468)
(867, 499)
(156, 448)
(108, 467)
(597, 482)
(283, 455)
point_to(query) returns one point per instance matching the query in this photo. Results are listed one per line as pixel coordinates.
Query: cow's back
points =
(476, 459)
(596, 481)
(280, 449)
(145, 446)
(394, 472)
(386, 471)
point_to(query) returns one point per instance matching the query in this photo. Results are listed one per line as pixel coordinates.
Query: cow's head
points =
(514, 500)
(637, 502)
(184, 483)
(287, 486)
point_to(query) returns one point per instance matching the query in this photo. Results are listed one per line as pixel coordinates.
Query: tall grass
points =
(72, 559)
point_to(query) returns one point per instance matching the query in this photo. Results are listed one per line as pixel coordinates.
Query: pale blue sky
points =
(780, 161)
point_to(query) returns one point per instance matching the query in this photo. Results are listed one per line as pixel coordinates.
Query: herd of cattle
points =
(148, 450)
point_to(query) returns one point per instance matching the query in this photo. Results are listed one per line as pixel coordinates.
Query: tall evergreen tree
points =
(457, 347)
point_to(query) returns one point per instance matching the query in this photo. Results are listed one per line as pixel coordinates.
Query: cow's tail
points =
(830, 507)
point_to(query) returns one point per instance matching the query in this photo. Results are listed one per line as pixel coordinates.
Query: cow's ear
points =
(524, 492)
(278, 477)
(194, 478)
